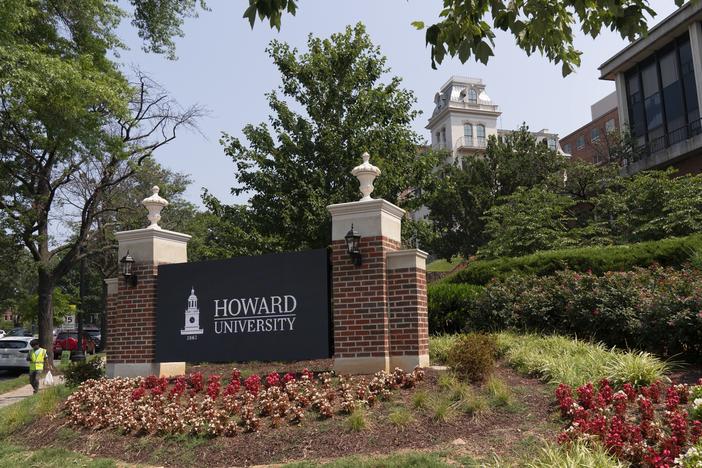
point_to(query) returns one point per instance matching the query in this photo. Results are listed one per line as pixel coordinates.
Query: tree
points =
(526, 221)
(465, 193)
(72, 127)
(331, 107)
(543, 26)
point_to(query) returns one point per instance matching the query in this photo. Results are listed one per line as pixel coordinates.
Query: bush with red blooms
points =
(646, 426)
(184, 404)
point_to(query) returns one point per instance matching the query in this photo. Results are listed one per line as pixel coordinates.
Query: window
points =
(472, 96)
(567, 149)
(662, 96)
(636, 108)
(481, 135)
(580, 142)
(609, 125)
(652, 101)
(468, 135)
(594, 134)
(552, 144)
(688, 79)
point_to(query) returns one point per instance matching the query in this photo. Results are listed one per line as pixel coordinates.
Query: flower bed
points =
(649, 426)
(189, 404)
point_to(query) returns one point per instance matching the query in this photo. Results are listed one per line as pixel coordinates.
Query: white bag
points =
(49, 379)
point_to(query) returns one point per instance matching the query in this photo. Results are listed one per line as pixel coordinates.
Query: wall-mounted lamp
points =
(127, 264)
(353, 242)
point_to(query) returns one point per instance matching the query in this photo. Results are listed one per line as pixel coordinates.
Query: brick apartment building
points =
(591, 141)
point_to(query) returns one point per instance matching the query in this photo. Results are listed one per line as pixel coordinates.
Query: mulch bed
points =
(498, 431)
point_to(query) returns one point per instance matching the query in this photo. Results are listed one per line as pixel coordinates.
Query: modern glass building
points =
(658, 92)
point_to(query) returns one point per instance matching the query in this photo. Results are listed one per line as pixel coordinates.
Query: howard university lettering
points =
(255, 314)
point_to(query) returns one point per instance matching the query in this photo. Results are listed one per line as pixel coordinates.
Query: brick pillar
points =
(131, 319)
(364, 318)
(407, 300)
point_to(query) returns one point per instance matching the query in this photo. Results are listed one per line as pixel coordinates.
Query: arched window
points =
(472, 96)
(468, 134)
(481, 135)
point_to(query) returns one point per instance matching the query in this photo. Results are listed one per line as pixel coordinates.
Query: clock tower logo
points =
(192, 317)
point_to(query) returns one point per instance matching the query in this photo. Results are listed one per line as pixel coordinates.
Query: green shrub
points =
(357, 421)
(79, 372)
(472, 356)
(420, 399)
(439, 347)
(674, 251)
(400, 417)
(450, 306)
(654, 309)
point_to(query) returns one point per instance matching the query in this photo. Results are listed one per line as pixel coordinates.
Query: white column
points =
(695, 30)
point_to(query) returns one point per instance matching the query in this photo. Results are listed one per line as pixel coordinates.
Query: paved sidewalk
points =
(21, 393)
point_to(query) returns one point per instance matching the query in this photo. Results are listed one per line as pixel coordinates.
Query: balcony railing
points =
(479, 104)
(467, 142)
(658, 144)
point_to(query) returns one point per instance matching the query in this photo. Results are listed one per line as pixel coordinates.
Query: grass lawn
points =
(13, 383)
(442, 265)
(12, 455)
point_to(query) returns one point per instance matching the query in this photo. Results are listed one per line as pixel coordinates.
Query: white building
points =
(465, 117)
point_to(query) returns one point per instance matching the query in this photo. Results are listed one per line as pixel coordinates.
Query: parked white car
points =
(13, 353)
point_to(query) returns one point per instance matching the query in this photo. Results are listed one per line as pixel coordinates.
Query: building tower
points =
(192, 317)
(464, 117)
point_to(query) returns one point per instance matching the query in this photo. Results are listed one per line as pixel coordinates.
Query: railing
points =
(658, 144)
(467, 142)
(480, 104)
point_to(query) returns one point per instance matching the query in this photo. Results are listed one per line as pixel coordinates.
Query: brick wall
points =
(131, 328)
(360, 299)
(407, 300)
(592, 151)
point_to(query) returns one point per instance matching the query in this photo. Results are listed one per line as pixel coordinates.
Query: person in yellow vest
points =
(37, 358)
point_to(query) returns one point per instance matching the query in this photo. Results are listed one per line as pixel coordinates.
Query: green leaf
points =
(464, 50)
(418, 24)
(250, 13)
(483, 52)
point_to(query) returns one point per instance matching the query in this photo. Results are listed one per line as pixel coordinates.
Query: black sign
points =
(266, 308)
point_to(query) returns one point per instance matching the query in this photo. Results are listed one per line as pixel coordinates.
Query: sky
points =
(222, 65)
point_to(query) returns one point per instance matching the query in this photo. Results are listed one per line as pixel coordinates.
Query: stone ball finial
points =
(366, 174)
(154, 204)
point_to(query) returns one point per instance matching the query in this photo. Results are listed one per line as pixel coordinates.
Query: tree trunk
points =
(45, 313)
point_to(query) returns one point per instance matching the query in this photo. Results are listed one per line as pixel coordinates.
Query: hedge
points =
(448, 304)
(667, 252)
(655, 309)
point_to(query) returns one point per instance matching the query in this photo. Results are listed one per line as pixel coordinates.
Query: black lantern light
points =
(127, 264)
(353, 242)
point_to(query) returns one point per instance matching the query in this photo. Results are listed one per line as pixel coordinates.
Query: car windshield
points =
(11, 344)
(64, 335)
(18, 332)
